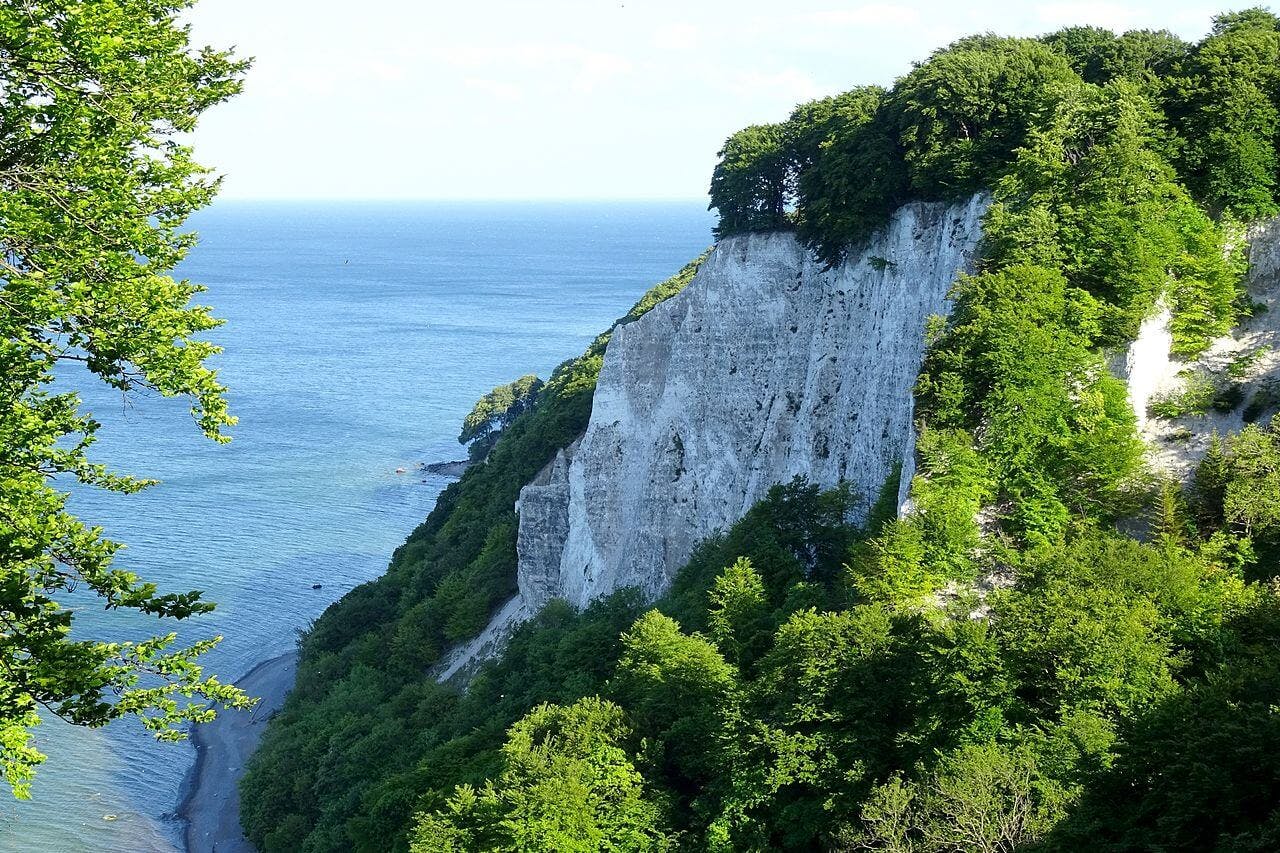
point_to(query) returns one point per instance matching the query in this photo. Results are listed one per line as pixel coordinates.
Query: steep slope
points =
(793, 690)
(766, 367)
(1180, 404)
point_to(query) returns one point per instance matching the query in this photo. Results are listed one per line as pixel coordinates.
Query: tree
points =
(679, 691)
(496, 411)
(1099, 55)
(1196, 771)
(1223, 100)
(968, 108)
(982, 797)
(739, 613)
(1089, 50)
(567, 785)
(95, 185)
(754, 181)
(1057, 432)
(1251, 498)
(852, 175)
(1090, 196)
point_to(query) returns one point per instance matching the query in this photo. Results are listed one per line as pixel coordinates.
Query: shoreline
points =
(453, 470)
(210, 805)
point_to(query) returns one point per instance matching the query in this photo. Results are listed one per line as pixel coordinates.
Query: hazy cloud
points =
(496, 88)
(789, 83)
(1110, 15)
(598, 68)
(386, 71)
(868, 15)
(679, 37)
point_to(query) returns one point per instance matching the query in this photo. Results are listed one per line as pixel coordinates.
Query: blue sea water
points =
(357, 336)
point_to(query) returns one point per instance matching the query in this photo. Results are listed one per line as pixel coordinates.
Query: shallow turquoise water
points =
(357, 337)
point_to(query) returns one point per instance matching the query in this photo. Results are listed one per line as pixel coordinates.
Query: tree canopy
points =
(96, 100)
(955, 123)
(1053, 648)
(752, 184)
(496, 411)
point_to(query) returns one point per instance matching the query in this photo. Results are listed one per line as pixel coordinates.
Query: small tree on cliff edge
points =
(95, 186)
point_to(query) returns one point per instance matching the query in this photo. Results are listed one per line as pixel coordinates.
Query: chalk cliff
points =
(766, 366)
(1245, 363)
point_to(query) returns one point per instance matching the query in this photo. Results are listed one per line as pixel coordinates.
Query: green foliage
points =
(1223, 100)
(568, 784)
(986, 797)
(1089, 196)
(865, 726)
(1099, 55)
(1236, 492)
(365, 657)
(681, 695)
(1093, 609)
(752, 184)
(940, 541)
(854, 177)
(796, 539)
(1057, 432)
(1243, 362)
(959, 121)
(496, 411)
(96, 101)
(1200, 392)
(1196, 771)
(739, 614)
(970, 106)
(998, 668)
(1252, 496)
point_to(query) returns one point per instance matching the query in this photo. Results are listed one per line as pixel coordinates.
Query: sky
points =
(562, 99)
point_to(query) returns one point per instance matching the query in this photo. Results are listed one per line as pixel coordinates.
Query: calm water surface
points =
(357, 337)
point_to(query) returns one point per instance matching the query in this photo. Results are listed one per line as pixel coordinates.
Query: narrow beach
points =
(210, 805)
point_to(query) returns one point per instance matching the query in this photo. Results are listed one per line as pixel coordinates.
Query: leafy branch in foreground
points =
(95, 185)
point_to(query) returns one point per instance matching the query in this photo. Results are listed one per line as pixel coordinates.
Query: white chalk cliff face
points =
(1177, 444)
(765, 367)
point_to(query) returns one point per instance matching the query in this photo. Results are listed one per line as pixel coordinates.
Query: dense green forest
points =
(809, 685)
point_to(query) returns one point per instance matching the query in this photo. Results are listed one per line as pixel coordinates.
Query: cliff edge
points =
(765, 367)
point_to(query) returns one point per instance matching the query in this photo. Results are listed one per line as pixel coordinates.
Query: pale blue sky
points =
(561, 98)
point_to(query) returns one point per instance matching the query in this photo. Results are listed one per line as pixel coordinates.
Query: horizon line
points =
(462, 200)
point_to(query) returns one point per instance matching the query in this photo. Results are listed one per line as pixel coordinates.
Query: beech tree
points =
(95, 184)
(970, 106)
(754, 180)
(1099, 55)
(496, 410)
(568, 785)
(1223, 100)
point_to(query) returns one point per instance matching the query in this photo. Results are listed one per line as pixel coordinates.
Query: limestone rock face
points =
(765, 367)
(1247, 359)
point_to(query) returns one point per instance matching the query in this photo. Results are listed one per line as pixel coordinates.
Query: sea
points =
(357, 337)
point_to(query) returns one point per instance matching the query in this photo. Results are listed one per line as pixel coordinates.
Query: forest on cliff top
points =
(810, 685)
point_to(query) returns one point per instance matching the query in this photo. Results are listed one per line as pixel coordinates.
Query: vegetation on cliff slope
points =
(1001, 669)
(325, 765)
